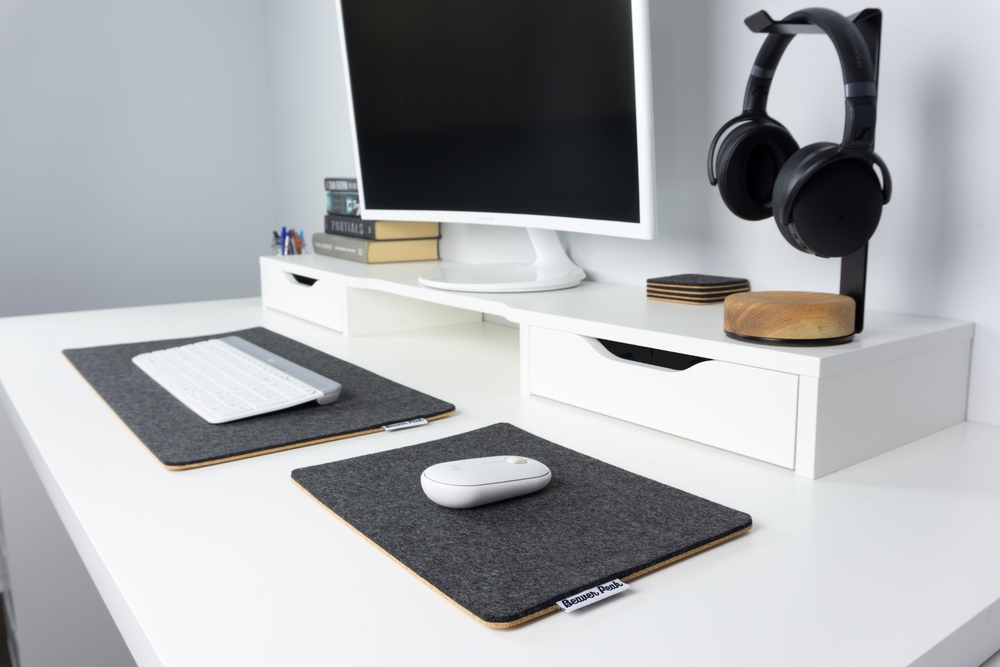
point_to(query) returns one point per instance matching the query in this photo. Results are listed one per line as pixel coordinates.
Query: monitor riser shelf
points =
(811, 410)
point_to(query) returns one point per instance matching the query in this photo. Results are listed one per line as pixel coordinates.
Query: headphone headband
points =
(826, 198)
(860, 88)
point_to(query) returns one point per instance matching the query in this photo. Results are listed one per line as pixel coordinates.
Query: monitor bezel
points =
(645, 228)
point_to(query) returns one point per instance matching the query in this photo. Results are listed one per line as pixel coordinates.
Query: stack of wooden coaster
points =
(694, 288)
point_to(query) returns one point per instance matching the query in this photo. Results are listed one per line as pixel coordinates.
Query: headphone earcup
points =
(825, 203)
(749, 160)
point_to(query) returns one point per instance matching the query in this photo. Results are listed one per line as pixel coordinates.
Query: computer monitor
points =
(528, 113)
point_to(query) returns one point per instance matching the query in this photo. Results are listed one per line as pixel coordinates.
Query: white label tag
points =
(596, 594)
(407, 424)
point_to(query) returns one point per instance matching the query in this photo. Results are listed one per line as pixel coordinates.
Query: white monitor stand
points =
(551, 270)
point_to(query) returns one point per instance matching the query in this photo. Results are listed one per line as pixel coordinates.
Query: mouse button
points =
(486, 470)
(445, 473)
(466, 472)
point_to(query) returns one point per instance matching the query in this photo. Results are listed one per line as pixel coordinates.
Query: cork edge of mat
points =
(505, 625)
(235, 457)
(279, 448)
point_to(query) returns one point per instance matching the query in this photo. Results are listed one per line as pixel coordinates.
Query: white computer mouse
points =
(474, 482)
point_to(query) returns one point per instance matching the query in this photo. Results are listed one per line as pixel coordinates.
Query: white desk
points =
(890, 562)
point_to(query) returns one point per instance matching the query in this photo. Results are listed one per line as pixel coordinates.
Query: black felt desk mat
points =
(181, 439)
(511, 561)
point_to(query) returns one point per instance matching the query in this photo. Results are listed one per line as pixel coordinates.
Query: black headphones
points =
(826, 198)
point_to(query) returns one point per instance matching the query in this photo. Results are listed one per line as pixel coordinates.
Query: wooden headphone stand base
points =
(790, 318)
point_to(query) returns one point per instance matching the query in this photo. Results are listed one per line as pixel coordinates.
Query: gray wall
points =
(133, 152)
(133, 170)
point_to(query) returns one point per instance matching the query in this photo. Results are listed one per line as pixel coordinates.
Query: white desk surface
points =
(893, 561)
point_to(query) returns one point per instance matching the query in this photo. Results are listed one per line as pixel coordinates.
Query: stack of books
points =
(347, 236)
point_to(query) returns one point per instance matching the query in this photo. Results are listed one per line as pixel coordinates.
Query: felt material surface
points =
(181, 439)
(694, 288)
(697, 281)
(511, 561)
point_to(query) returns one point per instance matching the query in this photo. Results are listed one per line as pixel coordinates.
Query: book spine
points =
(349, 225)
(342, 184)
(331, 245)
(343, 203)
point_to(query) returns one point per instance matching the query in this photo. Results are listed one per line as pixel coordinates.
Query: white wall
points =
(939, 91)
(133, 152)
(310, 139)
(935, 252)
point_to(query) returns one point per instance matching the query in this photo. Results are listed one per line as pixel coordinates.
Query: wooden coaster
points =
(694, 288)
(789, 318)
(676, 298)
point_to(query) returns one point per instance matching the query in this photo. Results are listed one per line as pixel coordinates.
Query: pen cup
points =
(293, 245)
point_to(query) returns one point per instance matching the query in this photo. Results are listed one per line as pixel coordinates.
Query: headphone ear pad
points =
(835, 211)
(748, 163)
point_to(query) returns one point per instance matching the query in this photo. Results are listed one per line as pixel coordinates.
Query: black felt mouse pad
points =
(511, 561)
(181, 439)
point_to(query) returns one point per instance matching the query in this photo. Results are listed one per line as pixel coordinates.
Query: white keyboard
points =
(229, 378)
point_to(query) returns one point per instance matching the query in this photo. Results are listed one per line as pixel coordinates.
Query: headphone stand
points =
(868, 21)
(853, 276)
(807, 318)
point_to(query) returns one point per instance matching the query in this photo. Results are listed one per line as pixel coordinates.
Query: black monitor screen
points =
(509, 106)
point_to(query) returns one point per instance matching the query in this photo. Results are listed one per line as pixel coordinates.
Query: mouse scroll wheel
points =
(516, 459)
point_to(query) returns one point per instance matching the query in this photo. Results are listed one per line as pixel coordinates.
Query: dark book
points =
(343, 203)
(341, 184)
(374, 252)
(379, 230)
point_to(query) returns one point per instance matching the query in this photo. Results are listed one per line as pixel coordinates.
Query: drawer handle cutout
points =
(648, 355)
(303, 280)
